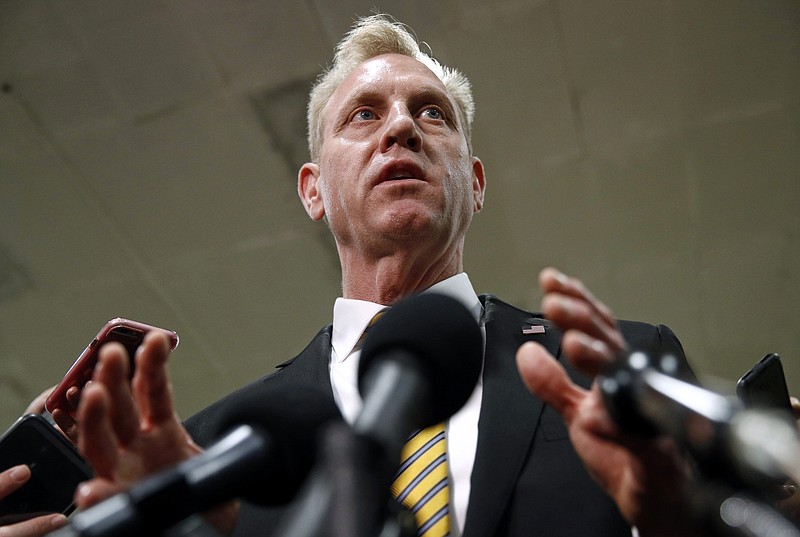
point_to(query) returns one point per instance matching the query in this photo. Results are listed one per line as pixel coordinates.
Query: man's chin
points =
(409, 220)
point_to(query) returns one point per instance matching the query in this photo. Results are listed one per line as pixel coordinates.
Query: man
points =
(393, 175)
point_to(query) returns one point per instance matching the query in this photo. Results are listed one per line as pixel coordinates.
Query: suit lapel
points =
(308, 370)
(509, 414)
(310, 367)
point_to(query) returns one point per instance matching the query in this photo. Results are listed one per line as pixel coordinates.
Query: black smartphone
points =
(56, 469)
(764, 386)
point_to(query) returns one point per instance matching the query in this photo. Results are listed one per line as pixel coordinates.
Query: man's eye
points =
(364, 115)
(433, 113)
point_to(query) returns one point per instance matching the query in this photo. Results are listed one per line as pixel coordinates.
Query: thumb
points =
(546, 379)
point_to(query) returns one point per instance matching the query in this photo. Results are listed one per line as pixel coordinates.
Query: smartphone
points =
(764, 386)
(125, 331)
(56, 469)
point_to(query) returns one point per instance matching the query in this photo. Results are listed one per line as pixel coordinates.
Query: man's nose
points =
(401, 129)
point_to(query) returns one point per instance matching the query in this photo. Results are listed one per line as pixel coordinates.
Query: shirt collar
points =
(351, 317)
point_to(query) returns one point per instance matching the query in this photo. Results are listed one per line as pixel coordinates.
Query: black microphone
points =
(419, 365)
(756, 448)
(265, 457)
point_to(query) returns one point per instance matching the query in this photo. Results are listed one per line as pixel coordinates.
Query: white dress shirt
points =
(350, 318)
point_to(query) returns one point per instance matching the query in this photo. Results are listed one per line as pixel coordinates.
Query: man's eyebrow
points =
(362, 95)
(353, 101)
(429, 93)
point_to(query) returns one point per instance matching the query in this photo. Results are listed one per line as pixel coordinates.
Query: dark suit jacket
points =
(527, 479)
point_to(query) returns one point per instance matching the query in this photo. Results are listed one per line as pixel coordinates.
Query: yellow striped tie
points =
(421, 481)
(375, 318)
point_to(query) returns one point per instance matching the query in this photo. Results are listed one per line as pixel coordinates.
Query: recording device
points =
(125, 331)
(753, 448)
(56, 469)
(265, 456)
(764, 385)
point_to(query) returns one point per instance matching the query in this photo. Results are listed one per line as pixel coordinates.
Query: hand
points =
(37, 405)
(130, 431)
(646, 478)
(65, 423)
(12, 479)
(790, 503)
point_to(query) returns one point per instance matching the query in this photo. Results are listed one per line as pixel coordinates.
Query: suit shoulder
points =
(657, 341)
(494, 306)
(642, 335)
(306, 369)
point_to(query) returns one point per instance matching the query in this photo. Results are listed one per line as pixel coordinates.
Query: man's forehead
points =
(386, 68)
(394, 63)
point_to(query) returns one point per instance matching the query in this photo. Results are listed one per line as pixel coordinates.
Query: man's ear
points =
(309, 191)
(478, 183)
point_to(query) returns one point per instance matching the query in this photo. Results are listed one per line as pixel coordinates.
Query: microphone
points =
(265, 456)
(756, 447)
(419, 365)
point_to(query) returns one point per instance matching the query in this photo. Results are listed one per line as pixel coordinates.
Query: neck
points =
(389, 278)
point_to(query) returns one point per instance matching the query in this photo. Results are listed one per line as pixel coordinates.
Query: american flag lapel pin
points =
(533, 329)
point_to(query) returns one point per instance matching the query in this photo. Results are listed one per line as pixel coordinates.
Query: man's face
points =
(394, 162)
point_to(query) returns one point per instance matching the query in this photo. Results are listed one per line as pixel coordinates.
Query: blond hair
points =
(372, 36)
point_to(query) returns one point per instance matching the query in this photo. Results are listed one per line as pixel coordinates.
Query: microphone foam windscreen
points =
(291, 418)
(442, 336)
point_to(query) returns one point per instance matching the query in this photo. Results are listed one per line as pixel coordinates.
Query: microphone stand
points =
(194, 526)
(347, 493)
(727, 512)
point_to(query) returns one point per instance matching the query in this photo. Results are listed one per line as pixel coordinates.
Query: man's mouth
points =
(401, 171)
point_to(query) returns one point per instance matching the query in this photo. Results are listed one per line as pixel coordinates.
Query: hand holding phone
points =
(125, 331)
(764, 385)
(56, 469)
(11, 480)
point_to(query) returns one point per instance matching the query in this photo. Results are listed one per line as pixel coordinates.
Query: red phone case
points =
(125, 331)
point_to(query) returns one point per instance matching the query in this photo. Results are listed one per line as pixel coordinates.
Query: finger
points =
(13, 478)
(74, 396)
(545, 378)
(97, 440)
(789, 502)
(37, 405)
(94, 491)
(570, 313)
(67, 424)
(151, 386)
(113, 372)
(551, 280)
(35, 527)
(573, 298)
(795, 407)
(589, 355)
